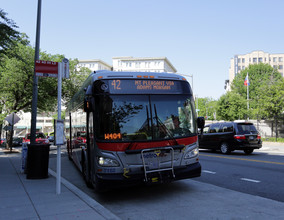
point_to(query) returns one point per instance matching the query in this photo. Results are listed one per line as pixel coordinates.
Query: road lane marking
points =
(234, 158)
(250, 180)
(207, 171)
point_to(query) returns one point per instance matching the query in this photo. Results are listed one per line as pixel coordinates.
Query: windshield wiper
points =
(166, 130)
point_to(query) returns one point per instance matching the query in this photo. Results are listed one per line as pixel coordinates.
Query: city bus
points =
(130, 128)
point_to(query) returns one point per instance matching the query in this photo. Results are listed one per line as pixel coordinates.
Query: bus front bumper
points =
(119, 180)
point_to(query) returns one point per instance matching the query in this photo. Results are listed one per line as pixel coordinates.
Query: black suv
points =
(230, 136)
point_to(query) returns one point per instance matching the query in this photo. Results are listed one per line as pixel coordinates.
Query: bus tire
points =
(98, 185)
(85, 172)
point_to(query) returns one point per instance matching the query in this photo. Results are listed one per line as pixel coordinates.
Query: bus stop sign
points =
(46, 68)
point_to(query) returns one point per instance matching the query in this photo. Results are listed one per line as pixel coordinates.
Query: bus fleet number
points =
(113, 136)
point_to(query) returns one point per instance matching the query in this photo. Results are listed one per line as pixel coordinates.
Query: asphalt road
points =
(235, 186)
(260, 173)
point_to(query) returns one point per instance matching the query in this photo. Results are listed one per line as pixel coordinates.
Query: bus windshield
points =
(144, 117)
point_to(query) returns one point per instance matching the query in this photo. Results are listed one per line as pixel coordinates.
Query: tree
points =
(231, 106)
(16, 80)
(260, 76)
(272, 103)
(8, 34)
(207, 107)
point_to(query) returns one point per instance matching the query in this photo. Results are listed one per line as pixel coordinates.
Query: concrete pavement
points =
(22, 198)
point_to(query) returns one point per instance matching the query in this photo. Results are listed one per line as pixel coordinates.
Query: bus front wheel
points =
(85, 172)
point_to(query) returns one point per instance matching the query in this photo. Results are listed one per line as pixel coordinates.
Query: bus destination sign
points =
(146, 86)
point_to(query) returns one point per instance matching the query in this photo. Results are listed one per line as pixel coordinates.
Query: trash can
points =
(37, 161)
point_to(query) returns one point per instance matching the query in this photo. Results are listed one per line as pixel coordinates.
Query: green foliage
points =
(8, 34)
(262, 78)
(16, 79)
(272, 103)
(231, 106)
(77, 77)
(266, 96)
(207, 107)
(279, 140)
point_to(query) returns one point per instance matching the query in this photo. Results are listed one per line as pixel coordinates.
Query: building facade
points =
(149, 64)
(94, 65)
(240, 62)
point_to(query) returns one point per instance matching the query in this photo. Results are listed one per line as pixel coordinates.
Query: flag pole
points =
(248, 95)
(248, 99)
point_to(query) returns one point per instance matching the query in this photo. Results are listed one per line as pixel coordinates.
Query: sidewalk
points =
(273, 147)
(22, 198)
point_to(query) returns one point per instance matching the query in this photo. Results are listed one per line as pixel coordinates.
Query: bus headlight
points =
(193, 153)
(107, 162)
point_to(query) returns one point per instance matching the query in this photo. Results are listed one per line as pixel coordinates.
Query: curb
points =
(88, 200)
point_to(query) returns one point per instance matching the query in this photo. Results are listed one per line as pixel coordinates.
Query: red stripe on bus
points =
(144, 145)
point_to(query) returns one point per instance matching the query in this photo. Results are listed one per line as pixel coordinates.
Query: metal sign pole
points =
(58, 167)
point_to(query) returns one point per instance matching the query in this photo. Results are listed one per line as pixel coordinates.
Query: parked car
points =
(3, 142)
(51, 137)
(230, 136)
(17, 141)
(40, 138)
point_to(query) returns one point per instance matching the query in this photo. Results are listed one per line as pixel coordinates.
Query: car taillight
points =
(258, 137)
(84, 140)
(240, 137)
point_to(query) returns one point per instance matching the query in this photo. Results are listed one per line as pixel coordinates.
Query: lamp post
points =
(35, 82)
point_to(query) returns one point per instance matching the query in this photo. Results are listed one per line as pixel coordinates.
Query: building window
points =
(239, 60)
(260, 59)
(274, 59)
(254, 60)
(275, 67)
(280, 59)
(243, 60)
(281, 67)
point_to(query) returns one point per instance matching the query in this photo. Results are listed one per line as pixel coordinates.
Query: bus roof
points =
(105, 74)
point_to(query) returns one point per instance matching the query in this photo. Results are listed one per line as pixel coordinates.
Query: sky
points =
(198, 37)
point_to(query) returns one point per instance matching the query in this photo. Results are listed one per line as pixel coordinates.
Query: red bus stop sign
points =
(46, 68)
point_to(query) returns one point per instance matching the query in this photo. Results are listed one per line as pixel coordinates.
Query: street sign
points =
(65, 63)
(46, 68)
(12, 118)
(8, 128)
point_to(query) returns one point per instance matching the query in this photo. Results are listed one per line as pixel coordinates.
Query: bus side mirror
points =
(200, 123)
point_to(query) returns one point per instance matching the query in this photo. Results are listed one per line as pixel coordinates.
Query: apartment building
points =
(240, 62)
(94, 64)
(146, 64)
